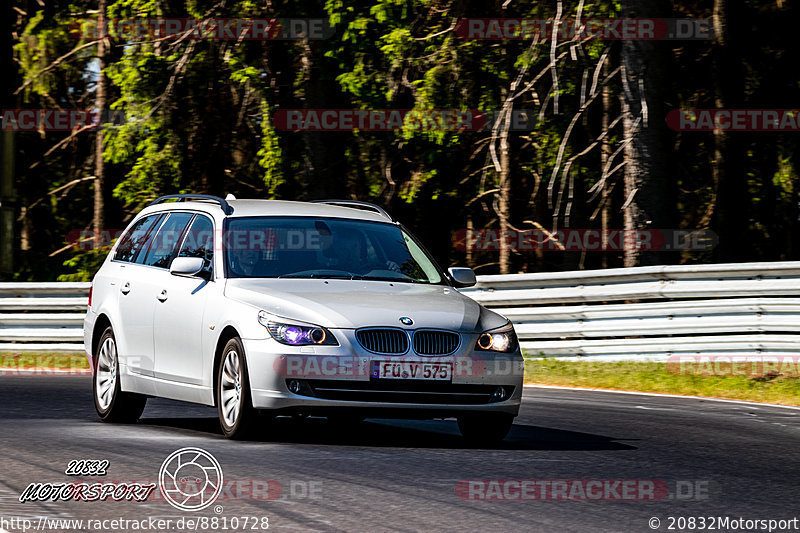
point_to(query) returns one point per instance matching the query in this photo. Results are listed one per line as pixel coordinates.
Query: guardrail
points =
(652, 312)
(620, 313)
(42, 316)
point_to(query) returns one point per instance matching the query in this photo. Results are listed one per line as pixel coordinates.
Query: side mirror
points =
(464, 277)
(186, 266)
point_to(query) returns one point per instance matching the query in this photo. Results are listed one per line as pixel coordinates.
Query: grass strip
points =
(731, 382)
(32, 362)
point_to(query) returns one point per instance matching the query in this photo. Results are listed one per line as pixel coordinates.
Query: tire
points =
(485, 428)
(234, 403)
(111, 403)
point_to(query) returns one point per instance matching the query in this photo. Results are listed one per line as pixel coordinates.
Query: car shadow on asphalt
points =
(396, 434)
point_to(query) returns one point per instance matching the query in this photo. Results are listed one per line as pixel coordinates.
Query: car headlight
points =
(502, 339)
(295, 334)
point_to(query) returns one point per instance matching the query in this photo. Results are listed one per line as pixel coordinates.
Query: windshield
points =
(307, 247)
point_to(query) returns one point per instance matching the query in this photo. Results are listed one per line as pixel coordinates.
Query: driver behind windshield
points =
(349, 253)
(244, 261)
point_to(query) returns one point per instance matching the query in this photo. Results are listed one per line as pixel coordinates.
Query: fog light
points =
(499, 394)
(295, 386)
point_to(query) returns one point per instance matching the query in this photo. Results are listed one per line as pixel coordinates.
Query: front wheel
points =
(111, 403)
(234, 405)
(485, 428)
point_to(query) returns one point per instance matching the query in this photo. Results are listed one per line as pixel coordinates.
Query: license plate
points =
(412, 370)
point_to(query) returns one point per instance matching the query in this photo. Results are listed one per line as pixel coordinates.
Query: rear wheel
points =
(236, 414)
(485, 428)
(111, 403)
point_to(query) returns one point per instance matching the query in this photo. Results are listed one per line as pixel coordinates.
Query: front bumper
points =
(340, 378)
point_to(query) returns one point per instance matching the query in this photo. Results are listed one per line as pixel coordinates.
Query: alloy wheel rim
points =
(231, 388)
(106, 382)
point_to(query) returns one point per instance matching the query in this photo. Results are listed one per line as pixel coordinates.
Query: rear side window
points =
(166, 240)
(133, 242)
(199, 241)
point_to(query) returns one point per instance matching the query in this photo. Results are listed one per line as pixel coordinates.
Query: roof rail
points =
(356, 204)
(226, 207)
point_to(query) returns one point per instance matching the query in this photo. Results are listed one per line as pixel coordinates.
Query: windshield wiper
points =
(389, 278)
(321, 276)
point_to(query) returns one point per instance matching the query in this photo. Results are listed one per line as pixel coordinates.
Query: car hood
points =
(356, 303)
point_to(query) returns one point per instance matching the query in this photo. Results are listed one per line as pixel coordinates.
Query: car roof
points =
(250, 208)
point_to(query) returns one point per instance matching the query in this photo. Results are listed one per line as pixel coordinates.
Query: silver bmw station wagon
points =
(266, 307)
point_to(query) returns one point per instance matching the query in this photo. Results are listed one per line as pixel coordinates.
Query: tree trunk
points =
(101, 107)
(504, 203)
(7, 193)
(650, 188)
(605, 153)
(730, 220)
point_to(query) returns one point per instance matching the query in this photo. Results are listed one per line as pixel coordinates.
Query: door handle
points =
(163, 296)
(125, 289)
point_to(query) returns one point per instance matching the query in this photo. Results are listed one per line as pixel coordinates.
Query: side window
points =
(199, 241)
(166, 240)
(134, 240)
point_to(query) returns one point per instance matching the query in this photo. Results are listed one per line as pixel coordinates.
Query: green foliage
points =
(84, 264)
(42, 42)
(199, 116)
(270, 153)
(785, 177)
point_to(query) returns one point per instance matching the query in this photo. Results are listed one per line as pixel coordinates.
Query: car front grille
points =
(403, 391)
(386, 341)
(428, 342)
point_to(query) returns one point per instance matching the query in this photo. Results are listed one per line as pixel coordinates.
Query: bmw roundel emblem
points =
(406, 321)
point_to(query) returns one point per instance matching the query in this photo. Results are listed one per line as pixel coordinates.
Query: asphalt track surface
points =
(717, 460)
